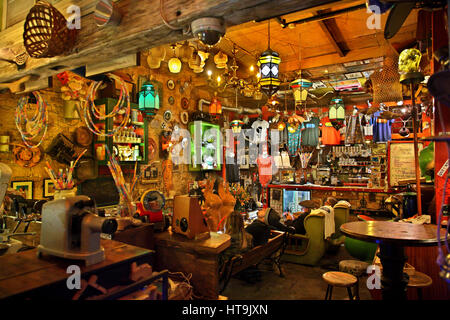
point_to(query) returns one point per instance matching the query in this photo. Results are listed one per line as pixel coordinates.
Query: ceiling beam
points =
(327, 27)
(141, 28)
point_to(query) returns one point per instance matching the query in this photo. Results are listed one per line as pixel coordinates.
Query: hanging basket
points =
(46, 33)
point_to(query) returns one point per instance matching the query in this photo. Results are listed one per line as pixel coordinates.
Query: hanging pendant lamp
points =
(268, 63)
(174, 63)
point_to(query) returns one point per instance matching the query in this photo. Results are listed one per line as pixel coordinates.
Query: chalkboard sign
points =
(103, 190)
(401, 161)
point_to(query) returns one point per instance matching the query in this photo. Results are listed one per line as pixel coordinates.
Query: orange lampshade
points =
(215, 107)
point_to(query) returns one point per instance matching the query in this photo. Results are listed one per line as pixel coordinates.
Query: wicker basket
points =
(46, 33)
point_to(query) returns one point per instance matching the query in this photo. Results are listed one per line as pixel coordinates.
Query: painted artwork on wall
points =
(26, 187)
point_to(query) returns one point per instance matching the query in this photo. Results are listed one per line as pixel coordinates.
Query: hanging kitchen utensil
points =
(46, 33)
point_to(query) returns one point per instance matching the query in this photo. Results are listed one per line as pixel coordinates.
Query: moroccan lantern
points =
(337, 109)
(215, 108)
(148, 99)
(268, 65)
(236, 125)
(300, 89)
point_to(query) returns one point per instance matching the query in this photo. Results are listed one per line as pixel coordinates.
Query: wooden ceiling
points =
(326, 51)
(344, 38)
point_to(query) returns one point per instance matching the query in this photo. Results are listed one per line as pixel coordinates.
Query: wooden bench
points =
(272, 250)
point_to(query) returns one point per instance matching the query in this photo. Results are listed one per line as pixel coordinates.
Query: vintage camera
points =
(208, 30)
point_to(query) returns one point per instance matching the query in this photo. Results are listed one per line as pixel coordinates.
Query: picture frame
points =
(48, 188)
(24, 186)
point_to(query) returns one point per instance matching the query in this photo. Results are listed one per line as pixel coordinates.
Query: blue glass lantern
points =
(148, 99)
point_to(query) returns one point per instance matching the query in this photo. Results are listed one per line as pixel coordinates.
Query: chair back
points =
(341, 215)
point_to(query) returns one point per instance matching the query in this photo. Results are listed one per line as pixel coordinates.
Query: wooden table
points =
(24, 275)
(200, 258)
(392, 237)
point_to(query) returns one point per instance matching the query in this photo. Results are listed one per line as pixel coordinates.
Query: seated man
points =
(298, 221)
(272, 218)
(259, 229)
(327, 210)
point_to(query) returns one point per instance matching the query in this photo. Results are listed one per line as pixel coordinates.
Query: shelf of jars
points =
(129, 144)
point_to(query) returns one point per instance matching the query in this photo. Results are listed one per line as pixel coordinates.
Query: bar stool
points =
(419, 280)
(356, 268)
(339, 279)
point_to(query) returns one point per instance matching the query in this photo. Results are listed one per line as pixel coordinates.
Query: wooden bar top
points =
(24, 271)
(400, 233)
(215, 244)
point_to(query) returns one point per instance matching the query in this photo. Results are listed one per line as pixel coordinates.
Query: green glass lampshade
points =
(337, 109)
(148, 99)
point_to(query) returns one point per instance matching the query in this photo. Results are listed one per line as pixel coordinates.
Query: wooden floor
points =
(300, 283)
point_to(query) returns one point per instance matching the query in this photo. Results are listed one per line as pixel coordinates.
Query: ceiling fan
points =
(400, 10)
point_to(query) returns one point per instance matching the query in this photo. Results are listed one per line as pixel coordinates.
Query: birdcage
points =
(46, 33)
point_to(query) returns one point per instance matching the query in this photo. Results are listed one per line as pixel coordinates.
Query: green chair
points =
(361, 250)
(307, 249)
(341, 214)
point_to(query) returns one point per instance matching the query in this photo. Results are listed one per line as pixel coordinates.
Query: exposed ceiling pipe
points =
(239, 110)
(323, 16)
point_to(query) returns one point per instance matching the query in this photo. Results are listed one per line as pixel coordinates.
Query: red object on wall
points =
(440, 39)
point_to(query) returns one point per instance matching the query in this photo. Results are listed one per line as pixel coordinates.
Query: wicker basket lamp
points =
(46, 33)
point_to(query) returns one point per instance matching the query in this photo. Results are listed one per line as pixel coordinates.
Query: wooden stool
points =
(339, 279)
(354, 267)
(419, 280)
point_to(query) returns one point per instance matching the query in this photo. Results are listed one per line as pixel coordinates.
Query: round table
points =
(392, 237)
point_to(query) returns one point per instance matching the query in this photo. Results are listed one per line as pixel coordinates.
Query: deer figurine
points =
(228, 203)
(213, 205)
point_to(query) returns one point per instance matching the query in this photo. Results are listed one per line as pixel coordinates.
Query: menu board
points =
(401, 161)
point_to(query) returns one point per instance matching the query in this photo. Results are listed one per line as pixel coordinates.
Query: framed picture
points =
(24, 186)
(48, 188)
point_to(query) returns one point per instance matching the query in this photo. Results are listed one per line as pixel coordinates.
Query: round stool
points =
(339, 279)
(419, 280)
(356, 268)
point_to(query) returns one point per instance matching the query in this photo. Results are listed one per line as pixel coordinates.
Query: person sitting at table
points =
(328, 212)
(259, 229)
(298, 220)
(241, 241)
(273, 219)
